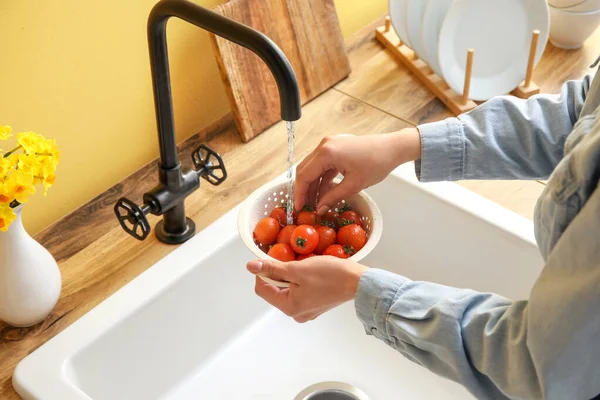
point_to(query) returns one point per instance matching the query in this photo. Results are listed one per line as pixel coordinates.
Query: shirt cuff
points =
(377, 290)
(442, 151)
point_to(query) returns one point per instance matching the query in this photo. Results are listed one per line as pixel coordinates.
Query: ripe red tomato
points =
(304, 239)
(263, 247)
(353, 236)
(280, 214)
(285, 234)
(350, 217)
(327, 237)
(339, 251)
(306, 218)
(305, 256)
(331, 219)
(266, 230)
(282, 252)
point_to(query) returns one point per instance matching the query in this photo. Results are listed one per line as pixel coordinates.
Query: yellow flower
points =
(48, 182)
(34, 144)
(46, 173)
(28, 164)
(19, 186)
(5, 167)
(5, 132)
(31, 142)
(4, 197)
(7, 216)
(19, 173)
(51, 148)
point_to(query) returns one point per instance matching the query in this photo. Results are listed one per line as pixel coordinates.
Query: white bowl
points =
(584, 6)
(568, 30)
(565, 3)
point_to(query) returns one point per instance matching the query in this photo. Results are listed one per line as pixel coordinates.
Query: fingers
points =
(308, 172)
(300, 190)
(273, 295)
(337, 193)
(311, 194)
(326, 183)
(272, 269)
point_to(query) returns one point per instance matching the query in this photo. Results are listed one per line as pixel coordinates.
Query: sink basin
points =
(191, 326)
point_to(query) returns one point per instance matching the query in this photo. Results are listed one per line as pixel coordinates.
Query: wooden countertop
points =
(97, 258)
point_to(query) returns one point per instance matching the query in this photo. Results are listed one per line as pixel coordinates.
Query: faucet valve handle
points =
(209, 165)
(133, 218)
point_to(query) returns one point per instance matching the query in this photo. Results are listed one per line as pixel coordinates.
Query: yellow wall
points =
(78, 71)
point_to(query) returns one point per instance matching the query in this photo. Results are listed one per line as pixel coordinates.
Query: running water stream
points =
(291, 128)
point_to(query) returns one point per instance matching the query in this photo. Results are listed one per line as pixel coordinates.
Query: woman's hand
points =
(317, 284)
(363, 160)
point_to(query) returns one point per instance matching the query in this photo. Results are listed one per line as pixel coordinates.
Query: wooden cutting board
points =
(309, 34)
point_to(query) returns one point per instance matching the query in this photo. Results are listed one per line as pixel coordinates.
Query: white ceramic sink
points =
(191, 326)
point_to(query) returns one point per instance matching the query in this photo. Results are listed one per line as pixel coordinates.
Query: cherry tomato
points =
(305, 256)
(304, 239)
(263, 247)
(353, 236)
(266, 230)
(306, 218)
(327, 237)
(285, 234)
(280, 214)
(282, 252)
(339, 251)
(331, 219)
(350, 217)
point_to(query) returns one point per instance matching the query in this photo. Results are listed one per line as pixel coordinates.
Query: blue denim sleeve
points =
(478, 340)
(505, 138)
(543, 348)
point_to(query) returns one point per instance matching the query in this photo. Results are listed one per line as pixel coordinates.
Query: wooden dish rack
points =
(457, 103)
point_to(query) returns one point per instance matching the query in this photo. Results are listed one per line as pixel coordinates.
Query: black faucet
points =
(167, 199)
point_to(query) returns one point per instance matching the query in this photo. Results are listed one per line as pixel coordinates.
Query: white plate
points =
(435, 12)
(398, 18)
(415, 9)
(500, 33)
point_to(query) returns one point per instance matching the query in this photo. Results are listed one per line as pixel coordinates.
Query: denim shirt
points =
(549, 346)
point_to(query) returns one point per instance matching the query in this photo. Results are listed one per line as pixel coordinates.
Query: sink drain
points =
(332, 391)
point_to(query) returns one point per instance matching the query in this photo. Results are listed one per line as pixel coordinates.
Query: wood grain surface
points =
(456, 103)
(307, 31)
(378, 79)
(97, 258)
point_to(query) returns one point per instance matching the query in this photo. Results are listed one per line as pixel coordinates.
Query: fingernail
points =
(322, 210)
(255, 266)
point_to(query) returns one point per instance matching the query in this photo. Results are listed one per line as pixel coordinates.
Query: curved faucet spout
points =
(231, 30)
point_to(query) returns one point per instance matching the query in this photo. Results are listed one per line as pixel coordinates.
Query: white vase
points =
(30, 280)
